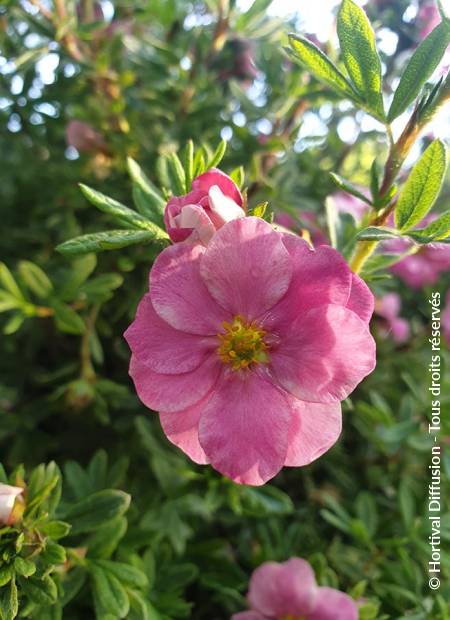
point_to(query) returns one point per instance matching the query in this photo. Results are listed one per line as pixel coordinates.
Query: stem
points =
(363, 251)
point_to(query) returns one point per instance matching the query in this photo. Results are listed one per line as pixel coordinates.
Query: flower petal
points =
(223, 207)
(181, 428)
(361, 300)
(162, 348)
(248, 615)
(334, 605)
(246, 267)
(216, 177)
(287, 589)
(8, 496)
(320, 276)
(178, 293)
(196, 220)
(173, 392)
(315, 428)
(244, 428)
(324, 355)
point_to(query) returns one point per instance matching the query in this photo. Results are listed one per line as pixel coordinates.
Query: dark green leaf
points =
(419, 69)
(109, 594)
(67, 320)
(125, 573)
(96, 510)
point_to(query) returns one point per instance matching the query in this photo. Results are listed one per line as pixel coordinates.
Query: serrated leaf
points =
(422, 187)
(95, 510)
(419, 69)
(36, 280)
(313, 59)
(359, 51)
(110, 240)
(377, 233)
(116, 209)
(109, 594)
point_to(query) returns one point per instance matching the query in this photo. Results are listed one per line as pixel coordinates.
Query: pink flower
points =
(8, 495)
(247, 347)
(289, 591)
(84, 138)
(422, 268)
(428, 18)
(446, 319)
(388, 307)
(214, 200)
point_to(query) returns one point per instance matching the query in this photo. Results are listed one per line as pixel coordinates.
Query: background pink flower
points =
(247, 347)
(84, 138)
(346, 203)
(428, 18)
(289, 590)
(422, 268)
(306, 219)
(388, 307)
(8, 495)
(214, 200)
(446, 319)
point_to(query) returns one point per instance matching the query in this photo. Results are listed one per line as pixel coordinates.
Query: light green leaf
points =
(110, 240)
(9, 601)
(149, 201)
(419, 69)
(112, 207)
(36, 280)
(176, 174)
(437, 230)
(8, 282)
(14, 323)
(238, 176)
(24, 567)
(359, 51)
(349, 187)
(188, 163)
(377, 233)
(313, 59)
(96, 509)
(218, 154)
(422, 187)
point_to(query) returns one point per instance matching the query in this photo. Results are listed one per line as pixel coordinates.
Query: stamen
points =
(242, 344)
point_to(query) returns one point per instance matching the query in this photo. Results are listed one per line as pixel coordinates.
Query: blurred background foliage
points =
(84, 85)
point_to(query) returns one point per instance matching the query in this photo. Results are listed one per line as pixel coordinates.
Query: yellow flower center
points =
(242, 344)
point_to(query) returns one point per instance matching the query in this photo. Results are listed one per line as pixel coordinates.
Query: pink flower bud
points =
(213, 201)
(8, 496)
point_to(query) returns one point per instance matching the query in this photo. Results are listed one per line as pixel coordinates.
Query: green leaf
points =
(104, 541)
(436, 231)
(14, 323)
(80, 270)
(188, 163)
(422, 187)
(407, 503)
(109, 594)
(41, 591)
(358, 46)
(9, 601)
(6, 572)
(176, 174)
(125, 573)
(313, 59)
(238, 176)
(72, 582)
(110, 240)
(218, 155)
(9, 283)
(24, 567)
(53, 553)
(67, 320)
(112, 207)
(55, 529)
(349, 187)
(147, 198)
(377, 233)
(96, 509)
(419, 69)
(36, 280)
